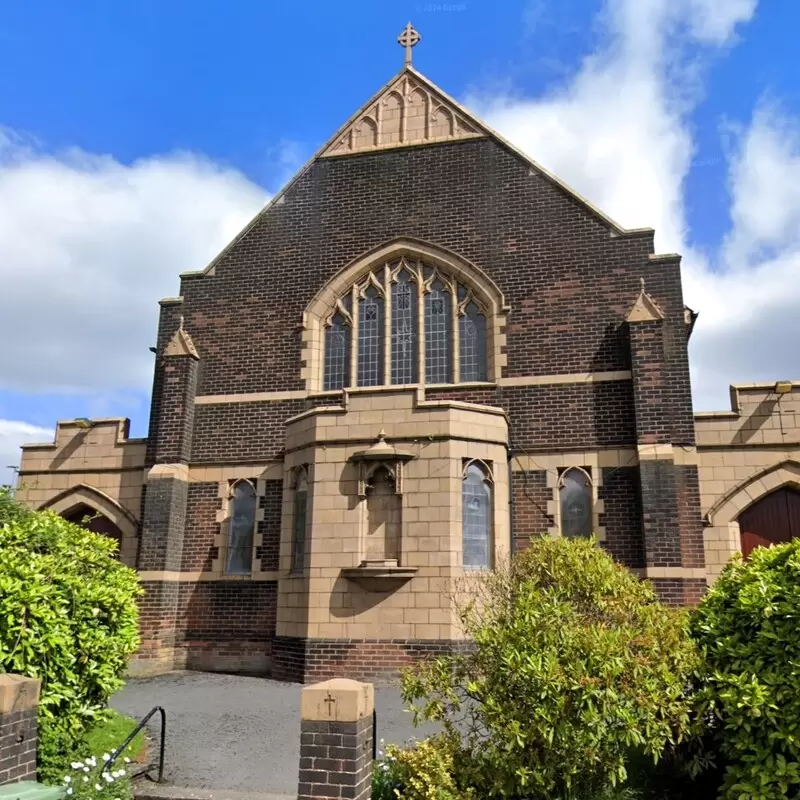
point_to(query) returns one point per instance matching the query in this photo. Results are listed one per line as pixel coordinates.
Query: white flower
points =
(69, 790)
(119, 773)
(85, 779)
(126, 760)
(98, 787)
(86, 769)
(76, 764)
(67, 779)
(105, 756)
(108, 778)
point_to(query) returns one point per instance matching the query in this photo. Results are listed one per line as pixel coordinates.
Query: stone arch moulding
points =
(752, 489)
(82, 494)
(324, 304)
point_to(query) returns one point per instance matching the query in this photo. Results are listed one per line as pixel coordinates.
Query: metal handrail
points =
(116, 754)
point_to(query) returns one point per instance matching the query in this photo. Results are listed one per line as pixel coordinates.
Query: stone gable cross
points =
(408, 38)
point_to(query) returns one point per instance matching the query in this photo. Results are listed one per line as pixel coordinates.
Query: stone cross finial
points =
(408, 38)
(641, 280)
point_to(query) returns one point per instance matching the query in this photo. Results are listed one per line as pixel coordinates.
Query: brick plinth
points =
(380, 660)
(680, 591)
(19, 703)
(336, 737)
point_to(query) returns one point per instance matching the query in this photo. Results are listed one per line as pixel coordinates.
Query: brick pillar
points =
(19, 704)
(165, 500)
(672, 534)
(336, 741)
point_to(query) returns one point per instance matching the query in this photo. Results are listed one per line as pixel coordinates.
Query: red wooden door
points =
(773, 519)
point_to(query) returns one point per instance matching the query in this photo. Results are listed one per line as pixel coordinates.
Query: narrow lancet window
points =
(404, 330)
(472, 345)
(370, 338)
(337, 354)
(576, 504)
(476, 517)
(438, 334)
(241, 528)
(300, 521)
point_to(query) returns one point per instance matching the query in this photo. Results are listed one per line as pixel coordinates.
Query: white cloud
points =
(89, 245)
(13, 434)
(619, 132)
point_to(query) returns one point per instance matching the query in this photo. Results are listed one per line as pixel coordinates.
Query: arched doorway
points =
(773, 519)
(96, 522)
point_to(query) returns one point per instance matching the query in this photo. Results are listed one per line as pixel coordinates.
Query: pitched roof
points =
(433, 116)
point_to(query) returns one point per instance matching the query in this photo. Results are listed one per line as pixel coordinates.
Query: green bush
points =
(575, 663)
(749, 628)
(424, 770)
(68, 616)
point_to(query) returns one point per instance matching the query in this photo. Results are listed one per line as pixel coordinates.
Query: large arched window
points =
(241, 527)
(476, 516)
(404, 322)
(576, 503)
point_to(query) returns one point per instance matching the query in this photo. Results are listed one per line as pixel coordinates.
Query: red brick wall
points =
(202, 527)
(567, 280)
(622, 518)
(529, 497)
(270, 527)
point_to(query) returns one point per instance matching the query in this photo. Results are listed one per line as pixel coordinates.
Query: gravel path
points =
(237, 733)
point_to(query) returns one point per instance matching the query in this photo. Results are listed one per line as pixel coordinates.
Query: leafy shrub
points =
(68, 616)
(425, 770)
(575, 662)
(749, 628)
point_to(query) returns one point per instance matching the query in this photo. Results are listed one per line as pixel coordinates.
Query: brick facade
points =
(586, 376)
(19, 705)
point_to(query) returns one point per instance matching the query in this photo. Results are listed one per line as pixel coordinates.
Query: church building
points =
(425, 351)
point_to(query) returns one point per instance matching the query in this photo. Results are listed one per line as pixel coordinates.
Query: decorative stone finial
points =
(408, 38)
(641, 280)
(382, 435)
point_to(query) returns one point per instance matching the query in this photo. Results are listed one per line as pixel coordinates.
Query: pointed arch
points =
(72, 499)
(575, 503)
(728, 507)
(477, 515)
(452, 269)
(242, 507)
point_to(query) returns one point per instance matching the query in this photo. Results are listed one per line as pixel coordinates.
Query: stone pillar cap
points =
(18, 693)
(337, 700)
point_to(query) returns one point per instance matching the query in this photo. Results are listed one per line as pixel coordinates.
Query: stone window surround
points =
(486, 467)
(225, 495)
(595, 478)
(293, 477)
(325, 304)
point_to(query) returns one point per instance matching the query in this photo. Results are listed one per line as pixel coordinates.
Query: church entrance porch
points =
(773, 519)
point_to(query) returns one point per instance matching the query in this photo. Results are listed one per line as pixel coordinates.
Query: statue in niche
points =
(384, 517)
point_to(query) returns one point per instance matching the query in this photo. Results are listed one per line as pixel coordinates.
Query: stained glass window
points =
(472, 345)
(476, 518)
(241, 526)
(370, 339)
(299, 523)
(575, 497)
(396, 361)
(438, 335)
(404, 330)
(337, 354)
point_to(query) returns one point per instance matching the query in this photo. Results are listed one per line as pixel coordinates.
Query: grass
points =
(112, 732)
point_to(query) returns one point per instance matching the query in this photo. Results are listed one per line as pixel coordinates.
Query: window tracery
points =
(405, 321)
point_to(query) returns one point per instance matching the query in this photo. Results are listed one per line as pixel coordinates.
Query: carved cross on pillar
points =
(330, 702)
(408, 38)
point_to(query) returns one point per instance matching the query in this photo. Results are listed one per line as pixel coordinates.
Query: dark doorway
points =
(773, 519)
(96, 522)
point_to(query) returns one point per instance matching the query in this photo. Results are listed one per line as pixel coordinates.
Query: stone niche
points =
(380, 492)
(384, 538)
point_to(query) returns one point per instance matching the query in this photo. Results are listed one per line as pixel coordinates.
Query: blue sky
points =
(136, 138)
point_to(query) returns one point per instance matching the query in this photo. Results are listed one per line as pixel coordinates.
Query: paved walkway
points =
(236, 733)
